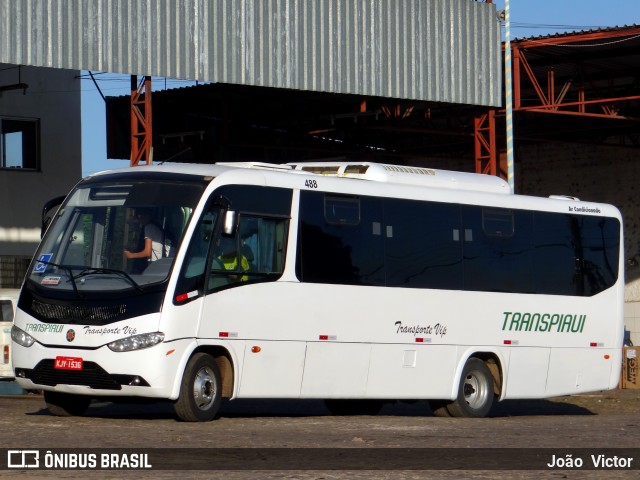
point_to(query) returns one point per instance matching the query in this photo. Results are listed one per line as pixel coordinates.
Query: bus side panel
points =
(336, 370)
(411, 371)
(272, 369)
(251, 316)
(527, 373)
(579, 370)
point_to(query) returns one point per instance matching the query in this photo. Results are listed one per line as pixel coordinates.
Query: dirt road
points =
(604, 425)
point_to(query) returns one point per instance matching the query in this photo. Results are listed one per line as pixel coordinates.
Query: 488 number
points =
(311, 184)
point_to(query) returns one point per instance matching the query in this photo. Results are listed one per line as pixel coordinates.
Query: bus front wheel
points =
(200, 391)
(475, 391)
(66, 404)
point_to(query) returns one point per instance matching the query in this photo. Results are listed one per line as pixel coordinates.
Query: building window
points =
(19, 143)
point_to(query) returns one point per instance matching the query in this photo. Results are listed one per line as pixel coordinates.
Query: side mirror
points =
(48, 212)
(230, 222)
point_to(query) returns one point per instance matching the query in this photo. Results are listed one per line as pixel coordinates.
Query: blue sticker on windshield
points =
(43, 260)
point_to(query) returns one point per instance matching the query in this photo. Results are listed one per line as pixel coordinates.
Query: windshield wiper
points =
(99, 270)
(69, 269)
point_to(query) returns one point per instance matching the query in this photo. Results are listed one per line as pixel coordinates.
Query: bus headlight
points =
(21, 337)
(137, 342)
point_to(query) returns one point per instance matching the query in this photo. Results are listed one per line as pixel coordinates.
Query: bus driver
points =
(150, 242)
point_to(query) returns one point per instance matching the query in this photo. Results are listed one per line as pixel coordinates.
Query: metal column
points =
(141, 130)
(485, 149)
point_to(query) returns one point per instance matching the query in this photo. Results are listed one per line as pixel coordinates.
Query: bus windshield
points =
(115, 235)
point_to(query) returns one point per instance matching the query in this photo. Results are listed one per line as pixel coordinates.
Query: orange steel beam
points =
(603, 102)
(578, 38)
(141, 129)
(563, 92)
(515, 72)
(485, 149)
(548, 102)
(486, 154)
(532, 78)
(551, 81)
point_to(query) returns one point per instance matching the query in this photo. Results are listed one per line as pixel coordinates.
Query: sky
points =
(528, 18)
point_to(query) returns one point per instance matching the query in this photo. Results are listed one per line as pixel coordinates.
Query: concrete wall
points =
(52, 97)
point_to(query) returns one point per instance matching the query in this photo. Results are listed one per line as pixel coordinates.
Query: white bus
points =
(352, 283)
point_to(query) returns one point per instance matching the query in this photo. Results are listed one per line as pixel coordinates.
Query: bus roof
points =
(370, 174)
(418, 176)
(376, 172)
(397, 174)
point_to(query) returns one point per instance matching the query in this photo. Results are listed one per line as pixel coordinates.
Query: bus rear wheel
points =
(66, 404)
(475, 391)
(200, 391)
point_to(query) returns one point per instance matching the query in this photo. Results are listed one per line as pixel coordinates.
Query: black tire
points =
(200, 391)
(354, 407)
(439, 408)
(475, 391)
(66, 404)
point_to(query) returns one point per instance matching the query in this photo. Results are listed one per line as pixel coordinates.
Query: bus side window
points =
(601, 246)
(340, 239)
(266, 240)
(193, 269)
(498, 249)
(227, 264)
(255, 254)
(425, 250)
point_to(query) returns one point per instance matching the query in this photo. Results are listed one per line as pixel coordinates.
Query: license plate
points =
(68, 363)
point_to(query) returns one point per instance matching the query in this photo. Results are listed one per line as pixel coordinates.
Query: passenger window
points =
(497, 250)
(600, 253)
(255, 254)
(342, 210)
(424, 250)
(340, 240)
(497, 222)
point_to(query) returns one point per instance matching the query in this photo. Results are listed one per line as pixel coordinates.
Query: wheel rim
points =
(476, 391)
(204, 388)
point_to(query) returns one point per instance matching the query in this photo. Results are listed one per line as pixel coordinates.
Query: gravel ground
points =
(601, 424)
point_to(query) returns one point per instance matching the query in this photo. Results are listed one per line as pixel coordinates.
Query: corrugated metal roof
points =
(435, 50)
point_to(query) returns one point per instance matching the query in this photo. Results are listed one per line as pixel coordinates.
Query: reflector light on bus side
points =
(328, 337)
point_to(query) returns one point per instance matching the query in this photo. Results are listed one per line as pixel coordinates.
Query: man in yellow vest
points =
(229, 259)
